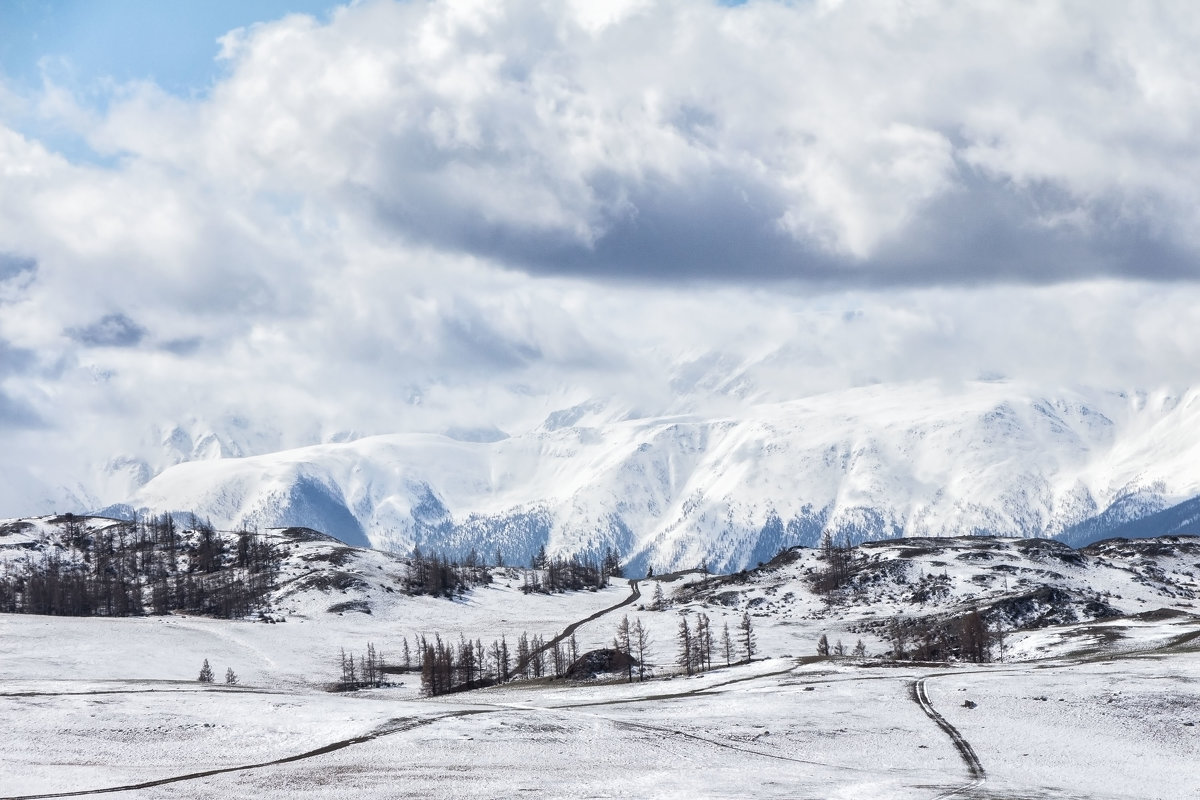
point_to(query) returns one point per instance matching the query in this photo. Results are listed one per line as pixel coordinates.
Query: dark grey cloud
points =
(111, 330)
(722, 228)
(992, 231)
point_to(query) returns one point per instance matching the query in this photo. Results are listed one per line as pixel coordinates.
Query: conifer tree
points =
(624, 646)
(749, 640)
(684, 636)
(641, 643)
(206, 673)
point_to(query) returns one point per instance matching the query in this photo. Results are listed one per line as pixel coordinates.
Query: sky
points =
(283, 223)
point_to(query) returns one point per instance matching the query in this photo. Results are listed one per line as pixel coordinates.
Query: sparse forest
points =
(147, 566)
(557, 574)
(447, 666)
(440, 576)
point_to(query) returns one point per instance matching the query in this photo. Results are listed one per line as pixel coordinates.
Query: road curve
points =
(634, 594)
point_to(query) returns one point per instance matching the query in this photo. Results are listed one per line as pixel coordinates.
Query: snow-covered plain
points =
(1098, 695)
(1120, 728)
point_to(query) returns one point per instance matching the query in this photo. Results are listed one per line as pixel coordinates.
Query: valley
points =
(1096, 695)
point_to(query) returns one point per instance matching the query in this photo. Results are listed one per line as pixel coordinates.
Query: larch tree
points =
(625, 646)
(641, 643)
(685, 644)
(657, 601)
(749, 640)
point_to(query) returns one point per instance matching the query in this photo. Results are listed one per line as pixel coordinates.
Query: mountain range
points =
(668, 492)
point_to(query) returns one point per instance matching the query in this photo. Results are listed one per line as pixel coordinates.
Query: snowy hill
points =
(669, 492)
(931, 584)
(1017, 584)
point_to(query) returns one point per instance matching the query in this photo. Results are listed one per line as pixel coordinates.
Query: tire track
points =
(916, 691)
(332, 747)
(405, 725)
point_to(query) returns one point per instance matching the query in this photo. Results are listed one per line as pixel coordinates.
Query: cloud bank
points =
(425, 216)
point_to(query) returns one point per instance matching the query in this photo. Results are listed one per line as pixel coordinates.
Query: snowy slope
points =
(874, 462)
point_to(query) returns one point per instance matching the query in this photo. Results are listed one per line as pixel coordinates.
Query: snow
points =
(1099, 707)
(775, 728)
(871, 462)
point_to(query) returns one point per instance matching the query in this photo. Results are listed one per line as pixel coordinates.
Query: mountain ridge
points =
(873, 463)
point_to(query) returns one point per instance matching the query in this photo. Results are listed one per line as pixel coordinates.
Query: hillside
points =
(927, 584)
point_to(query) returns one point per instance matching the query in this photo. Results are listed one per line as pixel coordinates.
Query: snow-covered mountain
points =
(869, 463)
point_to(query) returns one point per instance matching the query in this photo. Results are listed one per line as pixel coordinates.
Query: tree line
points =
(148, 565)
(557, 574)
(441, 576)
(447, 666)
(697, 643)
(964, 638)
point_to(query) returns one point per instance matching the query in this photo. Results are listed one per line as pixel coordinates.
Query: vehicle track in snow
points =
(396, 726)
(404, 725)
(917, 692)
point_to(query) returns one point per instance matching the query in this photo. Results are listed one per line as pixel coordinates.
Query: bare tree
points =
(625, 646)
(973, 637)
(497, 657)
(522, 653)
(231, 677)
(641, 643)
(537, 655)
(747, 636)
(703, 642)
(684, 636)
(727, 644)
(899, 637)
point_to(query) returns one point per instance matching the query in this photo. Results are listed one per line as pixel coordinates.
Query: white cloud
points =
(731, 199)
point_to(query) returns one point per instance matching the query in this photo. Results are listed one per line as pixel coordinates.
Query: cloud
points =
(687, 140)
(16, 414)
(15, 267)
(15, 360)
(451, 216)
(111, 330)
